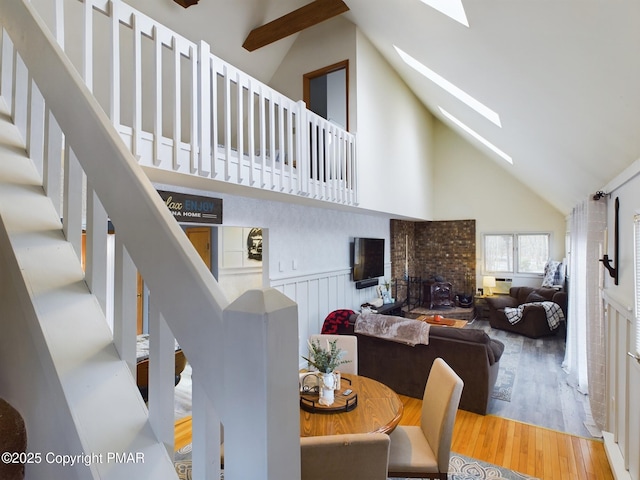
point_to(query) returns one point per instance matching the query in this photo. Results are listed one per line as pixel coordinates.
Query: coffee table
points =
(445, 322)
(379, 409)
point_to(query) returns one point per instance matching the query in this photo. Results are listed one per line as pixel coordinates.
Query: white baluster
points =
(52, 168)
(72, 200)
(35, 138)
(96, 248)
(157, 97)
(137, 87)
(177, 104)
(239, 126)
(193, 107)
(205, 166)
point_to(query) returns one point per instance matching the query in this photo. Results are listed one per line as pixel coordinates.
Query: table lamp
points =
(488, 282)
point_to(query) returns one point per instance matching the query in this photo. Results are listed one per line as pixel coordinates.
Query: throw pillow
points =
(550, 270)
(560, 274)
(535, 297)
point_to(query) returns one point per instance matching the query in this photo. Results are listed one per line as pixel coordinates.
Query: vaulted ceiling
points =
(563, 75)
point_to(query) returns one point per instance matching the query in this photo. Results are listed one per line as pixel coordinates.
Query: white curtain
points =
(584, 355)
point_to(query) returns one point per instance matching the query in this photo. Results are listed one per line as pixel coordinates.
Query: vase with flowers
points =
(325, 361)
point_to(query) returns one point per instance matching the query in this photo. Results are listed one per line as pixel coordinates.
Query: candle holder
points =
(606, 261)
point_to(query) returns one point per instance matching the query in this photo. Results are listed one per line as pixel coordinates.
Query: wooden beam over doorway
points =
(294, 22)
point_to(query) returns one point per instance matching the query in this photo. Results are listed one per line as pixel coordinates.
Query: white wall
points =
(393, 128)
(394, 140)
(469, 184)
(237, 273)
(306, 252)
(629, 195)
(623, 372)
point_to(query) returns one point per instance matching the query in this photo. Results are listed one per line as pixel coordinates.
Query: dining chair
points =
(348, 344)
(351, 456)
(424, 451)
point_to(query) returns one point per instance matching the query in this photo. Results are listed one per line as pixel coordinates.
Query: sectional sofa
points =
(472, 354)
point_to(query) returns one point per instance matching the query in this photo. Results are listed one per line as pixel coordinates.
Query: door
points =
(326, 92)
(200, 237)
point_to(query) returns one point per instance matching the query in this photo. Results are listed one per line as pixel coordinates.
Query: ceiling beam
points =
(186, 3)
(293, 22)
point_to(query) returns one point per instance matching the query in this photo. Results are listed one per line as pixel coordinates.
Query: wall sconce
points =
(599, 194)
(488, 282)
(606, 261)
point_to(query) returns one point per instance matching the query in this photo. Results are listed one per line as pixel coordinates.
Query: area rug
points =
(460, 468)
(508, 362)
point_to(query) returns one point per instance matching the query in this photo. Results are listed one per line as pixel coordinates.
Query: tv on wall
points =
(368, 259)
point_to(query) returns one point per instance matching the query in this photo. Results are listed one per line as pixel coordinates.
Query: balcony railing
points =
(182, 109)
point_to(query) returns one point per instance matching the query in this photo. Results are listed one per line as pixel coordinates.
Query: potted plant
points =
(325, 360)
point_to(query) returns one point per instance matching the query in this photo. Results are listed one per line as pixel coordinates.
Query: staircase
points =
(74, 340)
(65, 170)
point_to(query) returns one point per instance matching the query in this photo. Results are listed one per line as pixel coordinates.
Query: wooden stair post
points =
(13, 442)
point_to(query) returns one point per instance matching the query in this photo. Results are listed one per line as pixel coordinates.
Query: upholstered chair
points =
(348, 344)
(424, 451)
(358, 456)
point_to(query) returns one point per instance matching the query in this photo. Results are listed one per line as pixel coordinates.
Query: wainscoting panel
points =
(623, 391)
(319, 294)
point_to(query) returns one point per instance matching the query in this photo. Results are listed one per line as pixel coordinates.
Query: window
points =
(516, 252)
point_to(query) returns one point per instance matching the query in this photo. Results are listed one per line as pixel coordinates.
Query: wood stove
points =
(441, 295)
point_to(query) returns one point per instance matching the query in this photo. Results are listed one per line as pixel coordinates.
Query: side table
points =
(391, 309)
(481, 307)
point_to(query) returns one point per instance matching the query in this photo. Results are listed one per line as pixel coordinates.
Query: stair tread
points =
(109, 413)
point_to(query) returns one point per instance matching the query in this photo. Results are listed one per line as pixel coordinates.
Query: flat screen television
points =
(368, 258)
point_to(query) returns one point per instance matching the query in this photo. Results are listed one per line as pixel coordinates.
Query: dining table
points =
(362, 405)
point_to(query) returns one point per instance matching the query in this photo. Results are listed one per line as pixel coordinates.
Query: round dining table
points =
(378, 409)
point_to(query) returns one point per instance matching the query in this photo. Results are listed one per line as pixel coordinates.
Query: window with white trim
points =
(510, 253)
(636, 241)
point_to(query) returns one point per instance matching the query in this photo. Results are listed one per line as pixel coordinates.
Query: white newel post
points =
(262, 413)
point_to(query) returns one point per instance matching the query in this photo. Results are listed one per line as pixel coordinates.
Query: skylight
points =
(451, 8)
(461, 95)
(476, 135)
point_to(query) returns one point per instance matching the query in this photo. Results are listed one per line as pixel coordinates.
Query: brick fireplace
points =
(438, 252)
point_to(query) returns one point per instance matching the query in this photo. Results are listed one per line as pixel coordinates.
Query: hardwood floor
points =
(182, 432)
(536, 451)
(507, 436)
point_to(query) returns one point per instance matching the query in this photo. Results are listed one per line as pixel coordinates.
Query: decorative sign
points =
(193, 208)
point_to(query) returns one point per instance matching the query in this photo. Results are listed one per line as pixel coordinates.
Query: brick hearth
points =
(456, 312)
(439, 248)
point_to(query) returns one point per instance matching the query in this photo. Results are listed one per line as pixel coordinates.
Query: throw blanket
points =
(337, 322)
(553, 311)
(397, 329)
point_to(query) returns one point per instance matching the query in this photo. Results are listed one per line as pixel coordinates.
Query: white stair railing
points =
(189, 111)
(73, 143)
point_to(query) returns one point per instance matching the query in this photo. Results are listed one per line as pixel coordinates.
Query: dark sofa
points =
(472, 354)
(534, 322)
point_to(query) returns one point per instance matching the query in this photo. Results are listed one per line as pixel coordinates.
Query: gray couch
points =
(534, 322)
(472, 354)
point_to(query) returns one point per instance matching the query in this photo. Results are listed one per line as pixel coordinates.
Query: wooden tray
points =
(442, 321)
(341, 403)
